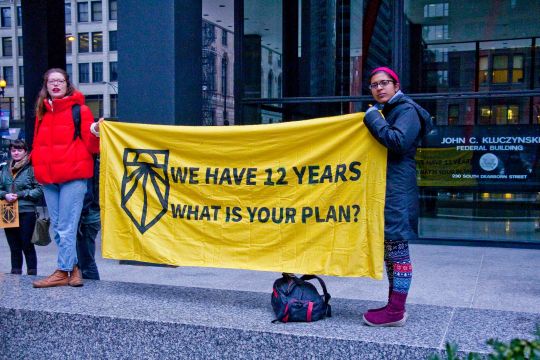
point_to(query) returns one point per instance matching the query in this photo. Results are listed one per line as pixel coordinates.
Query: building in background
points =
(91, 56)
(92, 61)
(475, 65)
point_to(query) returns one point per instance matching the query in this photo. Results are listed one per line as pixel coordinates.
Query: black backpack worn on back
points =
(76, 113)
(296, 299)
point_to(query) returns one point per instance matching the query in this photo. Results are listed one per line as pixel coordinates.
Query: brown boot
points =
(75, 278)
(58, 278)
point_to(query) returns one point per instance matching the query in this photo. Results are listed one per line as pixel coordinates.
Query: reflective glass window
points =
(67, 12)
(7, 72)
(7, 46)
(84, 73)
(97, 41)
(82, 12)
(113, 9)
(5, 13)
(84, 43)
(97, 72)
(97, 12)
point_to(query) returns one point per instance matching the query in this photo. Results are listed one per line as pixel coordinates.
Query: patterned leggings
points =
(398, 265)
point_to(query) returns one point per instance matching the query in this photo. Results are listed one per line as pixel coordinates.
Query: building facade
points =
(91, 55)
(474, 65)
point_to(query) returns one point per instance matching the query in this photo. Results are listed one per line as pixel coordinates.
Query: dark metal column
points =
(160, 61)
(44, 47)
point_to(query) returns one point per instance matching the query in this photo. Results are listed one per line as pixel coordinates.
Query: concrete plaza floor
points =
(455, 276)
(461, 295)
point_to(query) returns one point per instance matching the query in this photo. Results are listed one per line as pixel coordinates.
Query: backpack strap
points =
(327, 296)
(76, 113)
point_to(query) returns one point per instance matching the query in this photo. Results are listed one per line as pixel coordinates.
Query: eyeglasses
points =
(56, 81)
(382, 84)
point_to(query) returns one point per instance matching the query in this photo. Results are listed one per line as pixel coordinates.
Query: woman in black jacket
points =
(399, 126)
(17, 183)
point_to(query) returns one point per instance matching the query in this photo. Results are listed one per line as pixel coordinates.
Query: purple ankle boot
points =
(393, 315)
(384, 307)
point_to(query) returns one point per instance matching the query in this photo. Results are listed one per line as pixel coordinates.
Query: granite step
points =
(106, 319)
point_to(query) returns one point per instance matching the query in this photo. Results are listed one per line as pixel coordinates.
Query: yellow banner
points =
(299, 197)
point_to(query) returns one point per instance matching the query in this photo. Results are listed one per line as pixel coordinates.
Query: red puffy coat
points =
(56, 156)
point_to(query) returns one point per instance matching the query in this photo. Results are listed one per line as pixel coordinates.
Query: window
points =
(113, 45)
(512, 114)
(483, 69)
(84, 73)
(209, 71)
(435, 32)
(7, 46)
(21, 75)
(224, 64)
(69, 70)
(20, 45)
(97, 72)
(485, 115)
(442, 77)
(436, 10)
(114, 105)
(517, 69)
(113, 10)
(19, 16)
(69, 46)
(82, 12)
(7, 72)
(67, 12)
(97, 41)
(500, 69)
(436, 55)
(96, 11)
(224, 37)
(453, 114)
(113, 71)
(499, 114)
(83, 43)
(5, 13)
(95, 103)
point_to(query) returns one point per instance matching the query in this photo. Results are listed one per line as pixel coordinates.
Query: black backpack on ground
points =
(296, 299)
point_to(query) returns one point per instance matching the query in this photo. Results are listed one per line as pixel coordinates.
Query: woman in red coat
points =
(62, 163)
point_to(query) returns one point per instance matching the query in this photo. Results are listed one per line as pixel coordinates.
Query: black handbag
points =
(41, 236)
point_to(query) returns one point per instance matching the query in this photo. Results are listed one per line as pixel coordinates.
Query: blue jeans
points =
(64, 202)
(86, 249)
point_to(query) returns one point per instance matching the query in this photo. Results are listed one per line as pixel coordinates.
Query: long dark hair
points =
(44, 94)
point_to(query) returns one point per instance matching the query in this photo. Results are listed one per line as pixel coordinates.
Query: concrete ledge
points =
(126, 320)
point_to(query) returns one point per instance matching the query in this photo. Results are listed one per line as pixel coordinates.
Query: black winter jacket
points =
(24, 184)
(400, 131)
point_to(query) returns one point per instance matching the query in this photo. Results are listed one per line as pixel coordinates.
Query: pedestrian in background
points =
(89, 226)
(17, 183)
(63, 162)
(399, 126)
